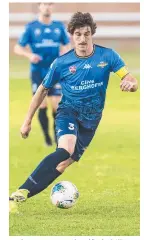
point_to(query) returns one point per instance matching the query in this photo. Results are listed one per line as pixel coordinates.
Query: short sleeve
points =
(25, 37)
(64, 35)
(116, 61)
(53, 75)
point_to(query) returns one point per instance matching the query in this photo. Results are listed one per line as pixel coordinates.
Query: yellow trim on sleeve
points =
(122, 72)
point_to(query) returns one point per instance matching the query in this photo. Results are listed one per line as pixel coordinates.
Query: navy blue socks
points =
(44, 122)
(44, 183)
(45, 173)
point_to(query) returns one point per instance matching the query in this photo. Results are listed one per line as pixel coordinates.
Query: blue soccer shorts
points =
(37, 78)
(67, 122)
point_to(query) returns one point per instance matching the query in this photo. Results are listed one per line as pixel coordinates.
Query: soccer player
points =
(83, 74)
(44, 37)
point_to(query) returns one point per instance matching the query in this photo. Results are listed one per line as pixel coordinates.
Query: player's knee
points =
(43, 106)
(63, 165)
(70, 148)
(68, 143)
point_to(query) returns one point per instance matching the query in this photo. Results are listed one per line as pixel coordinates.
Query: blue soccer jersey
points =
(84, 80)
(44, 40)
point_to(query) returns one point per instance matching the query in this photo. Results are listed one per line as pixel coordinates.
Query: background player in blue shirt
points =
(83, 74)
(44, 37)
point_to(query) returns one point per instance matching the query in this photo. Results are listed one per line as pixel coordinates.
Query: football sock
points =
(44, 122)
(44, 183)
(45, 173)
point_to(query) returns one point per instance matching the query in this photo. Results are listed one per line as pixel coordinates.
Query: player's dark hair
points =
(79, 20)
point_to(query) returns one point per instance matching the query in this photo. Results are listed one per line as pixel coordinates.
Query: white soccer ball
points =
(64, 194)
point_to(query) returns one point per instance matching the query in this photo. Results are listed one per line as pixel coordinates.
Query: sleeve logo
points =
(37, 31)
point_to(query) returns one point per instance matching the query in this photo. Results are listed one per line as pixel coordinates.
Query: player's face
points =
(82, 38)
(46, 9)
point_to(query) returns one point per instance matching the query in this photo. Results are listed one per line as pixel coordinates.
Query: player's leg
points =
(44, 121)
(53, 165)
(36, 78)
(48, 170)
(54, 97)
(84, 137)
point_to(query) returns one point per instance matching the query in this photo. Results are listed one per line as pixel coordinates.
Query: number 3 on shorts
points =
(71, 126)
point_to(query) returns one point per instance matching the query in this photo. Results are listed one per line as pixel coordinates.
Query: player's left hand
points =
(127, 86)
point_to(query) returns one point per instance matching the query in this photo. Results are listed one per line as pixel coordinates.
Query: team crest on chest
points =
(37, 31)
(72, 69)
(57, 31)
(102, 64)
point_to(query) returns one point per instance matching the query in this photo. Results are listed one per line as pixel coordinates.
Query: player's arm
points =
(128, 82)
(52, 77)
(22, 51)
(20, 48)
(35, 103)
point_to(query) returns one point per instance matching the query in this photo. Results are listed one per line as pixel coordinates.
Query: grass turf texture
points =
(107, 175)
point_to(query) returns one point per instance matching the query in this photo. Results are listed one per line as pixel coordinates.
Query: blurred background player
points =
(46, 39)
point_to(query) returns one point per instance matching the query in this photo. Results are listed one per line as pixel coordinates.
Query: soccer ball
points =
(64, 194)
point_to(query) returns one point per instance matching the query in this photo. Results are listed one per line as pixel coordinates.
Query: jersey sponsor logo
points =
(71, 126)
(87, 66)
(102, 64)
(47, 43)
(72, 69)
(37, 31)
(87, 84)
(47, 30)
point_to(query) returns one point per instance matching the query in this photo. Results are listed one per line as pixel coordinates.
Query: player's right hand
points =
(25, 130)
(34, 58)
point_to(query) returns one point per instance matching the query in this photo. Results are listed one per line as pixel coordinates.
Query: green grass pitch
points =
(107, 175)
